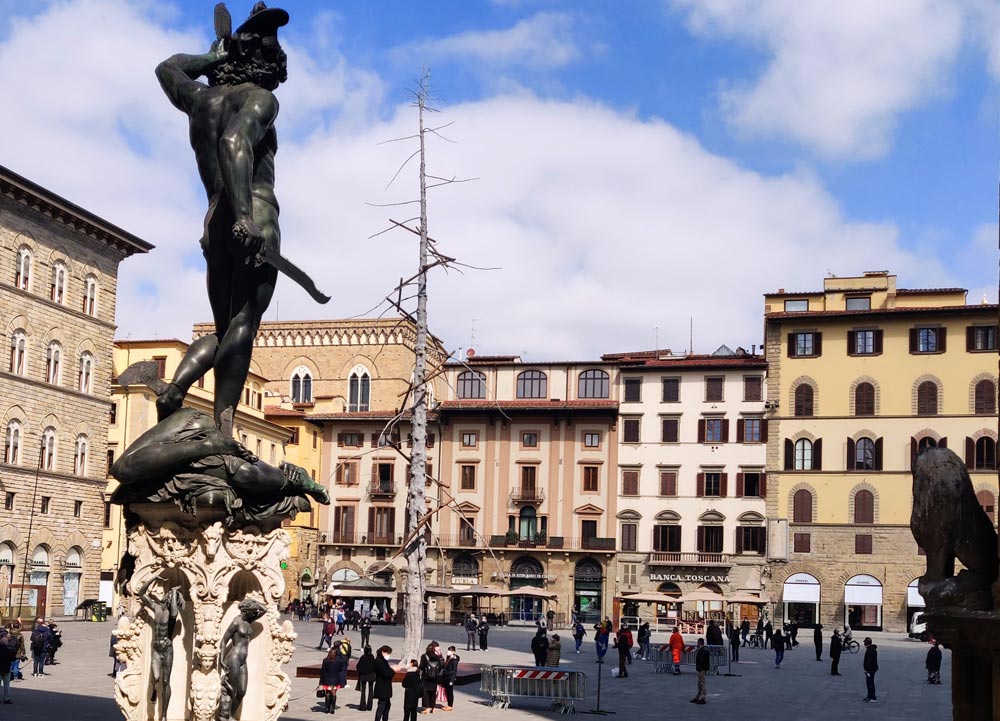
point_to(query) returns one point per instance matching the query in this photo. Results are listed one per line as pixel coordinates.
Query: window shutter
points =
(740, 432)
(392, 524)
(878, 455)
(337, 523)
(701, 430)
(371, 523)
(430, 440)
(340, 439)
(878, 341)
(701, 485)
(817, 343)
(374, 473)
(851, 457)
(392, 472)
(789, 454)
(913, 450)
(739, 485)
(970, 338)
(409, 440)
(914, 340)
(852, 342)
(791, 345)
(818, 455)
(763, 485)
(942, 334)
(723, 484)
(970, 452)
(725, 430)
(943, 443)
(701, 539)
(374, 440)
(739, 539)
(763, 430)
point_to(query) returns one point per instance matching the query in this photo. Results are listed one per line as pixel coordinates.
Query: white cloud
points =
(604, 225)
(544, 41)
(839, 73)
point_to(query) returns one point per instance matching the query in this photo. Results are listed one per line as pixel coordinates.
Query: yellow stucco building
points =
(861, 375)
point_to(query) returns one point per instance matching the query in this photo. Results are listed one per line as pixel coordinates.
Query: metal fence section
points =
(663, 660)
(562, 686)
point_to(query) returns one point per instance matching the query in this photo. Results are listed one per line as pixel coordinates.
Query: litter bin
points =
(100, 612)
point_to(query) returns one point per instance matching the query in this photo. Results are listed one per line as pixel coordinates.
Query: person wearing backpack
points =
(40, 639)
(430, 673)
(8, 644)
(578, 634)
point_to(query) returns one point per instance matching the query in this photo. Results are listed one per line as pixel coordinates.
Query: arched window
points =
(74, 558)
(864, 399)
(986, 398)
(86, 380)
(22, 273)
(359, 390)
(301, 390)
(864, 507)
(18, 353)
(40, 556)
(927, 399)
(49, 449)
(470, 385)
(864, 454)
(532, 384)
(988, 503)
(528, 520)
(12, 444)
(925, 443)
(53, 363)
(986, 454)
(803, 455)
(80, 456)
(57, 288)
(90, 295)
(804, 400)
(802, 506)
(593, 384)
(465, 566)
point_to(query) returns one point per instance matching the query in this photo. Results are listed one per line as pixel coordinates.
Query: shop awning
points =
(863, 590)
(913, 597)
(800, 588)
(362, 588)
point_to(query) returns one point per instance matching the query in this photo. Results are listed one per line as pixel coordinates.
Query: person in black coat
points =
(540, 646)
(734, 644)
(745, 630)
(329, 680)
(484, 631)
(383, 683)
(818, 641)
(933, 664)
(836, 646)
(412, 691)
(449, 675)
(713, 634)
(779, 648)
(769, 635)
(702, 663)
(430, 668)
(871, 668)
(366, 679)
(366, 630)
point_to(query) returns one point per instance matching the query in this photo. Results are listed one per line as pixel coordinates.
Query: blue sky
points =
(643, 163)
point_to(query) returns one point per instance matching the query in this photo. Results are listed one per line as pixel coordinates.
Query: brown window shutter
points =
(701, 538)
(392, 524)
(913, 340)
(763, 485)
(852, 342)
(392, 472)
(430, 440)
(739, 485)
(371, 522)
(789, 454)
(970, 452)
(701, 430)
(791, 345)
(942, 334)
(739, 540)
(763, 430)
(374, 473)
(878, 455)
(943, 443)
(340, 439)
(725, 430)
(723, 485)
(349, 520)
(818, 455)
(701, 485)
(913, 450)
(817, 343)
(337, 523)
(374, 440)
(864, 507)
(970, 338)
(409, 440)
(878, 341)
(851, 457)
(740, 433)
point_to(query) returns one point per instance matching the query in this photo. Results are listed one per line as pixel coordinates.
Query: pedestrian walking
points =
(471, 632)
(769, 634)
(326, 630)
(20, 652)
(676, 649)
(871, 668)
(933, 664)
(793, 633)
(713, 634)
(745, 630)
(644, 636)
(39, 642)
(412, 692)
(539, 647)
(788, 636)
(779, 648)
(701, 666)
(484, 632)
(818, 641)
(8, 644)
(383, 684)
(734, 644)
(554, 652)
(341, 621)
(449, 675)
(430, 672)
(836, 646)
(329, 681)
(366, 679)
(623, 642)
(602, 633)
(365, 627)
(355, 619)
(579, 632)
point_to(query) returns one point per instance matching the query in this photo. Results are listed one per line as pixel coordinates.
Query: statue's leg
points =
(168, 662)
(239, 688)
(198, 360)
(156, 676)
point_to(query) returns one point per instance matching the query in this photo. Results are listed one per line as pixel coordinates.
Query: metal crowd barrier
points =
(663, 660)
(561, 685)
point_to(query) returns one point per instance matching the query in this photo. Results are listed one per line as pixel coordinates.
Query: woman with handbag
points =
(430, 673)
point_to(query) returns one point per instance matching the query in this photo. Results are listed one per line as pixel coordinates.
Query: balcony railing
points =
(453, 540)
(365, 539)
(558, 542)
(527, 494)
(382, 489)
(671, 558)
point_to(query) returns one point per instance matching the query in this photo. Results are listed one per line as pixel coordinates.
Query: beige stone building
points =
(862, 375)
(58, 282)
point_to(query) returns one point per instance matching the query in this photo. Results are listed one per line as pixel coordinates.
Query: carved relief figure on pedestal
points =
(233, 657)
(128, 689)
(948, 522)
(164, 613)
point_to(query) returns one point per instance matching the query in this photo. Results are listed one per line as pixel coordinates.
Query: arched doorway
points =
(71, 580)
(587, 588)
(800, 598)
(464, 573)
(667, 613)
(863, 603)
(526, 572)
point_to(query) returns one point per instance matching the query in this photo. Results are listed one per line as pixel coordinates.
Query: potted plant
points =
(511, 537)
(540, 538)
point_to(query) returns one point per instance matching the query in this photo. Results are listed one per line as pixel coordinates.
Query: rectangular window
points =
(804, 345)
(859, 302)
(46, 502)
(468, 473)
(529, 440)
(591, 440)
(529, 490)
(671, 390)
(752, 486)
(110, 461)
(77, 509)
(8, 501)
(753, 388)
(713, 430)
(630, 430)
(667, 539)
(315, 439)
(710, 539)
(343, 524)
(981, 338)
(630, 483)
(751, 539)
(591, 479)
(864, 342)
(107, 514)
(751, 430)
(470, 440)
(467, 531)
(713, 484)
(294, 440)
(668, 483)
(798, 305)
(630, 536)
(113, 414)
(352, 439)
(863, 544)
(927, 340)
(713, 389)
(381, 525)
(670, 430)
(633, 390)
(588, 530)
(161, 366)
(630, 573)
(801, 543)
(274, 454)
(347, 473)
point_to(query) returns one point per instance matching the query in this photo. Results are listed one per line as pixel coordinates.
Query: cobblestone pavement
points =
(79, 688)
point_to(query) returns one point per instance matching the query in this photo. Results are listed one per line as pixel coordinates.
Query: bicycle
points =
(755, 641)
(851, 646)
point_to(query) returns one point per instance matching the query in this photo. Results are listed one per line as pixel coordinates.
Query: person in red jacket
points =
(676, 649)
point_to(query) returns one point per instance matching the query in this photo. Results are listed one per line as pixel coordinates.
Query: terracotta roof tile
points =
(935, 310)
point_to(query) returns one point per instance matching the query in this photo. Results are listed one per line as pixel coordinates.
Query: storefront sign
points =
(465, 580)
(529, 576)
(690, 577)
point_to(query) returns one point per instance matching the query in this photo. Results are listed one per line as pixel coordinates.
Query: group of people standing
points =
(45, 639)
(477, 629)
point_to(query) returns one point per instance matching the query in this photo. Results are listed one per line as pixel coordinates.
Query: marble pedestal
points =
(217, 567)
